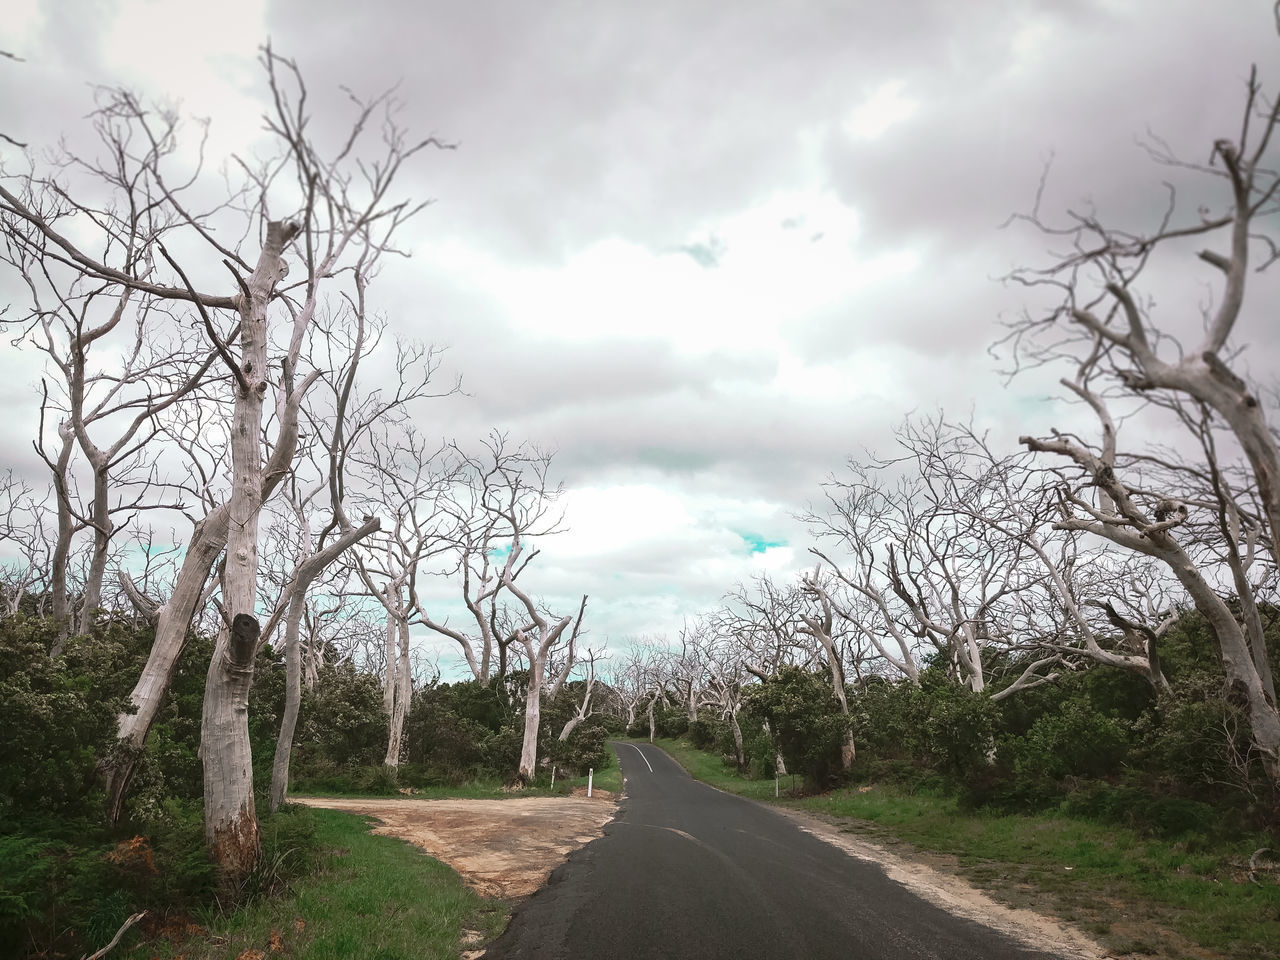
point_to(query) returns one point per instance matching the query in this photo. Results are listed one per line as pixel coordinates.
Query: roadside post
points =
(591, 773)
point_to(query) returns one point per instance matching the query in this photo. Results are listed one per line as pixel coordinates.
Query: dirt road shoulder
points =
(501, 848)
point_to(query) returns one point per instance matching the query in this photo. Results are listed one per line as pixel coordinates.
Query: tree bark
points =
(403, 689)
(231, 823)
(532, 722)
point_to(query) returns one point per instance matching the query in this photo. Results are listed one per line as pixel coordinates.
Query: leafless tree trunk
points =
(295, 597)
(821, 628)
(585, 707)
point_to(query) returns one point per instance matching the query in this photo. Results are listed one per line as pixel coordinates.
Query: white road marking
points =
(642, 757)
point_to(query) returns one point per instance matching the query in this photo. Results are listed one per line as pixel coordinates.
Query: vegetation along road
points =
(688, 871)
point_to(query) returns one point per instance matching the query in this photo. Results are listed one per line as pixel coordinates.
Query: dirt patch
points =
(954, 894)
(502, 848)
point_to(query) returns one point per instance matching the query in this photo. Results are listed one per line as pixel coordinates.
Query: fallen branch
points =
(1253, 863)
(116, 939)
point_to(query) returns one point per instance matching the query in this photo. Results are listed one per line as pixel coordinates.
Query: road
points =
(686, 871)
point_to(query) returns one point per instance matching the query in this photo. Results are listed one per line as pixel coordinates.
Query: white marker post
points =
(775, 786)
(591, 773)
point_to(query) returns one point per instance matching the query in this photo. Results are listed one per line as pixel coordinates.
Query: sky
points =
(705, 251)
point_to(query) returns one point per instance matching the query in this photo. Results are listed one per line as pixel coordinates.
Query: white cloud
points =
(885, 108)
(202, 54)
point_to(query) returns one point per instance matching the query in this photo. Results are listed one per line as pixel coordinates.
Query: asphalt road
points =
(686, 871)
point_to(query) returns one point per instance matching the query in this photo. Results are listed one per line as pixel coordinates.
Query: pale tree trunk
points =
(389, 661)
(62, 613)
(173, 619)
(103, 528)
(738, 751)
(292, 701)
(403, 690)
(652, 723)
(308, 570)
(230, 820)
(532, 722)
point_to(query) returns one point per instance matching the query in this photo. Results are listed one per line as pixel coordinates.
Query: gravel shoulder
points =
(501, 848)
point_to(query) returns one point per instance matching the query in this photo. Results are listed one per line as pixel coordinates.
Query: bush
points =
(1078, 742)
(806, 722)
(57, 718)
(1162, 814)
(586, 747)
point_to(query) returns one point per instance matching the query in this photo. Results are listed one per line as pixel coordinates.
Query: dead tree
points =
(1129, 350)
(332, 213)
(1148, 522)
(494, 498)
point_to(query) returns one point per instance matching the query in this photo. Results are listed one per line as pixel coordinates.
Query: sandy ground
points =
(502, 848)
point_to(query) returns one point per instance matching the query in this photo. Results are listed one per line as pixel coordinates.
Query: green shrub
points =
(1159, 813)
(587, 747)
(806, 722)
(57, 717)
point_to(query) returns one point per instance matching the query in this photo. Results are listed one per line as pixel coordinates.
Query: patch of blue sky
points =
(757, 543)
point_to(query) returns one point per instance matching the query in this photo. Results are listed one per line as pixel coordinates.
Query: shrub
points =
(806, 722)
(57, 717)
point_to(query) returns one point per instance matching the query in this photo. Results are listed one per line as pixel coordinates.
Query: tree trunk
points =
(292, 700)
(401, 693)
(532, 721)
(103, 528)
(567, 730)
(62, 614)
(173, 620)
(738, 751)
(231, 823)
(307, 571)
(389, 658)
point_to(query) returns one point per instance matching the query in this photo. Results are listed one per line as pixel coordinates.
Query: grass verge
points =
(1137, 895)
(378, 899)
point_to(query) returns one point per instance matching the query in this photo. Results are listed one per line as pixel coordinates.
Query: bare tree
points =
(1131, 352)
(500, 496)
(1147, 522)
(340, 214)
(588, 689)
(21, 530)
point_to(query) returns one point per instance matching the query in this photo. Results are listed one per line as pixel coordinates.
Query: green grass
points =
(472, 790)
(1136, 894)
(608, 778)
(379, 899)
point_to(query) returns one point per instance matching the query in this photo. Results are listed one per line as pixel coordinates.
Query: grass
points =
(472, 790)
(378, 899)
(1181, 897)
(608, 778)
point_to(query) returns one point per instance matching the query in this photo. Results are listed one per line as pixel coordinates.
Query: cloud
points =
(707, 253)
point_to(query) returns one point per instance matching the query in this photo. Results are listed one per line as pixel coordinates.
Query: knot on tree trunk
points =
(245, 631)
